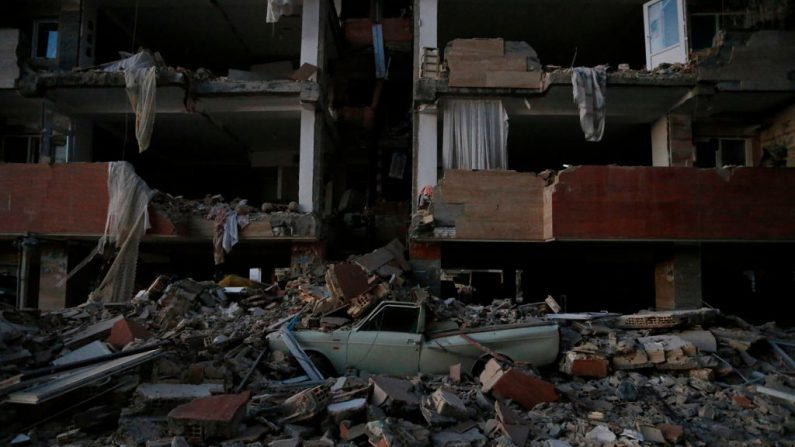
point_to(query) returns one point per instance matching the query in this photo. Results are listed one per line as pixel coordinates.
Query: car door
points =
(388, 341)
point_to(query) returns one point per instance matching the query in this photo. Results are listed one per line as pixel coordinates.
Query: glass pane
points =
(52, 44)
(394, 319)
(47, 40)
(663, 25)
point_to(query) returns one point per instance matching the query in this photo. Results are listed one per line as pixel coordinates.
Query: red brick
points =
(425, 251)
(621, 202)
(513, 384)
(123, 332)
(671, 432)
(359, 32)
(69, 198)
(222, 407)
(216, 416)
(743, 401)
(594, 367)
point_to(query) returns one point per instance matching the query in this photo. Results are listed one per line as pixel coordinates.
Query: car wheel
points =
(322, 364)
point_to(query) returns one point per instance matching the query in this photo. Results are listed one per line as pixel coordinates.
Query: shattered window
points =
(663, 25)
(394, 319)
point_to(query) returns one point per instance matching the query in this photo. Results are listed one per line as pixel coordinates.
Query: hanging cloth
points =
(589, 87)
(475, 134)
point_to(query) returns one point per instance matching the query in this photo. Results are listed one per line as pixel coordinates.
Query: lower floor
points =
(750, 279)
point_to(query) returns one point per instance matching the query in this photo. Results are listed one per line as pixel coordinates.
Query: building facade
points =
(622, 154)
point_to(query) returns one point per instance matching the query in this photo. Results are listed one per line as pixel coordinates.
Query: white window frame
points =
(676, 53)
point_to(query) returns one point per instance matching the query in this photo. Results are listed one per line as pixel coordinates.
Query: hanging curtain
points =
(475, 134)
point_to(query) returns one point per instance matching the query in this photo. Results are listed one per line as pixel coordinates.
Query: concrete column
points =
(82, 135)
(88, 34)
(672, 140)
(680, 139)
(659, 142)
(425, 163)
(29, 249)
(427, 35)
(52, 270)
(68, 35)
(677, 279)
(309, 159)
(426, 263)
(312, 52)
(426, 150)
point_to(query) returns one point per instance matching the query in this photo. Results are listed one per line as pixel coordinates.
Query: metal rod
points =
(250, 371)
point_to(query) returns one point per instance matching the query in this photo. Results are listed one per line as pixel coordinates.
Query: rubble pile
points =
(188, 362)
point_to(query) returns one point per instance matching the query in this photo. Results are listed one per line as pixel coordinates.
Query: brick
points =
(209, 417)
(743, 401)
(513, 384)
(346, 280)
(123, 332)
(425, 250)
(671, 432)
(595, 367)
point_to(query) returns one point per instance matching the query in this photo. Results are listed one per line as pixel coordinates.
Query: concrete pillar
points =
(310, 172)
(426, 263)
(88, 34)
(82, 135)
(680, 139)
(672, 140)
(659, 142)
(427, 35)
(68, 35)
(426, 152)
(677, 279)
(52, 270)
(425, 163)
(29, 249)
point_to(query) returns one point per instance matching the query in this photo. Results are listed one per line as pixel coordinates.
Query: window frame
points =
(37, 23)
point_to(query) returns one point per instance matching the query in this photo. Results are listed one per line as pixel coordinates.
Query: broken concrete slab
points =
(209, 417)
(391, 391)
(150, 392)
(340, 411)
(125, 332)
(514, 384)
(94, 349)
(346, 280)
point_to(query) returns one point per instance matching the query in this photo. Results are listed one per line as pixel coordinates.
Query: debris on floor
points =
(187, 362)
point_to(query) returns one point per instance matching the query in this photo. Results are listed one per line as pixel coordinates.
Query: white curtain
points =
(475, 134)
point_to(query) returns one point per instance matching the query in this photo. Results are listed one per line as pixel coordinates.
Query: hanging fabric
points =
(589, 87)
(475, 134)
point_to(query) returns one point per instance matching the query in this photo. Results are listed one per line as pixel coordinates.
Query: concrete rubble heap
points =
(204, 374)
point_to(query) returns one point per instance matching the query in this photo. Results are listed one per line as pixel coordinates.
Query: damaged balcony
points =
(597, 203)
(50, 201)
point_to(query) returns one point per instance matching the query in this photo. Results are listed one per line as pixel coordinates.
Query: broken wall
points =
(756, 60)
(612, 202)
(493, 205)
(781, 134)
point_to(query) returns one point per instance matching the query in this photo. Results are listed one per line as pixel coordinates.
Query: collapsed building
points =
(534, 163)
